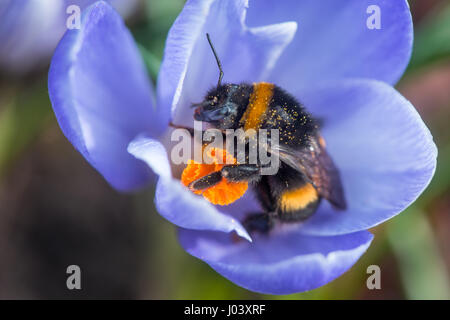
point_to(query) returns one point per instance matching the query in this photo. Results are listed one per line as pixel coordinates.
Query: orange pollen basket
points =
(223, 193)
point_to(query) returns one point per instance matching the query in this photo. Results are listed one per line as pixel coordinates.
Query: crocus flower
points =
(31, 29)
(323, 53)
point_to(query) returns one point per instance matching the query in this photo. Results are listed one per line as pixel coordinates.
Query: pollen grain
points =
(223, 193)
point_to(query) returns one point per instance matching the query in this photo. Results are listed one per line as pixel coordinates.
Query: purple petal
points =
(174, 201)
(385, 153)
(189, 68)
(31, 29)
(280, 263)
(102, 97)
(153, 153)
(29, 32)
(124, 7)
(333, 40)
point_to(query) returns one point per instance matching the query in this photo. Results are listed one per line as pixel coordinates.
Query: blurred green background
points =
(55, 210)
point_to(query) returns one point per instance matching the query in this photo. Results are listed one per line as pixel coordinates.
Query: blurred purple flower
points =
(31, 29)
(320, 51)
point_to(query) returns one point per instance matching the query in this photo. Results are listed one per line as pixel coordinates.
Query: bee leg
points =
(234, 173)
(241, 172)
(259, 222)
(206, 182)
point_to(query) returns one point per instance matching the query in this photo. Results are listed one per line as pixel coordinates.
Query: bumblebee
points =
(306, 174)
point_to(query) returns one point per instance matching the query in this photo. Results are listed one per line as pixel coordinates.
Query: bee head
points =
(218, 107)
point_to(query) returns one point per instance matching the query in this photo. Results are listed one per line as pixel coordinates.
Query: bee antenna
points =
(217, 60)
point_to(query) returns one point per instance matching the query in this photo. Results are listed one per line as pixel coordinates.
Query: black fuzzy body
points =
(298, 131)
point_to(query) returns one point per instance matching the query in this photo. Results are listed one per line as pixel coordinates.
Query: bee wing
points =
(315, 163)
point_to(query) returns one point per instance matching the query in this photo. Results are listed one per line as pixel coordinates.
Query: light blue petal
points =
(385, 153)
(29, 32)
(189, 69)
(102, 97)
(283, 263)
(333, 40)
(31, 29)
(177, 203)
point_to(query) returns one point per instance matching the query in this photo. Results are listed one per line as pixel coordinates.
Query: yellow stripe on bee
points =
(258, 103)
(299, 198)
